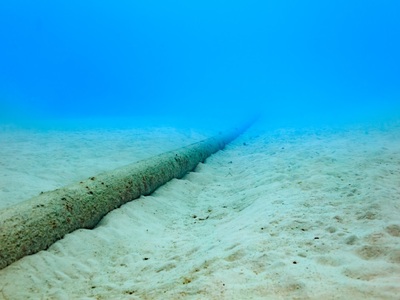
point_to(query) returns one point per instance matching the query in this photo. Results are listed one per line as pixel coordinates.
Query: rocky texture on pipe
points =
(35, 224)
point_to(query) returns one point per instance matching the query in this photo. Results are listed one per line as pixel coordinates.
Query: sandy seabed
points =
(280, 214)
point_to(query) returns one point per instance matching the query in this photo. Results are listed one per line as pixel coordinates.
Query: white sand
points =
(276, 215)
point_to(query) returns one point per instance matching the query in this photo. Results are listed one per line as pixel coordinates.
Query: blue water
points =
(301, 62)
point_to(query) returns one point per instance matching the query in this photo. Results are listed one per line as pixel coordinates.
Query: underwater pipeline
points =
(34, 225)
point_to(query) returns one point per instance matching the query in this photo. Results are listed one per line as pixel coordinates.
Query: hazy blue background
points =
(301, 60)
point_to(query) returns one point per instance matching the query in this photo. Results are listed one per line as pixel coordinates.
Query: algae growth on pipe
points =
(35, 224)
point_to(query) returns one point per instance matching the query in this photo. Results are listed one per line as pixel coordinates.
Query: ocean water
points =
(203, 62)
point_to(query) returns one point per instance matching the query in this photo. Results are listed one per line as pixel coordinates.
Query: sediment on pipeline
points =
(33, 225)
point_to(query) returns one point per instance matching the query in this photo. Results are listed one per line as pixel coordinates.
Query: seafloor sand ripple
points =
(281, 215)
